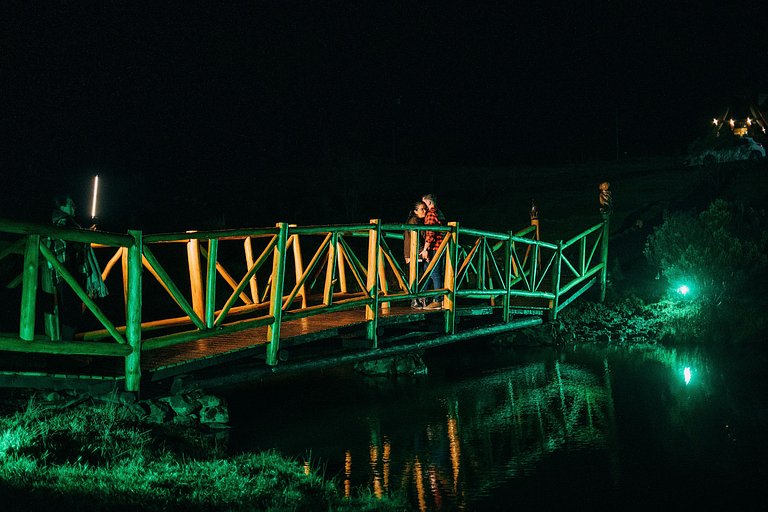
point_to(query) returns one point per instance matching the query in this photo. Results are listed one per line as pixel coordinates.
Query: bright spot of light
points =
(687, 374)
(683, 290)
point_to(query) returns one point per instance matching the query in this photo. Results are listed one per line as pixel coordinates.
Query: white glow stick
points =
(95, 195)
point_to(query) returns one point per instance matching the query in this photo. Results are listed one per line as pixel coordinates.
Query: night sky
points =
(205, 104)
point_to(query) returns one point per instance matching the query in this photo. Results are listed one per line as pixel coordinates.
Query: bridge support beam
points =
(133, 313)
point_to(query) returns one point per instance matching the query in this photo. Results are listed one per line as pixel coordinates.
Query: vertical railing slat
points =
(554, 303)
(372, 285)
(29, 288)
(124, 268)
(413, 265)
(298, 263)
(276, 294)
(534, 267)
(253, 283)
(482, 263)
(133, 312)
(509, 267)
(341, 273)
(195, 277)
(451, 264)
(604, 258)
(330, 270)
(383, 286)
(210, 282)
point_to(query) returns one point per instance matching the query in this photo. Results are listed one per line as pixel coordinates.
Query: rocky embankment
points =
(626, 321)
(195, 409)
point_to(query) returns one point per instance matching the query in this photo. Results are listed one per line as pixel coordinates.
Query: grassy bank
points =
(95, 458)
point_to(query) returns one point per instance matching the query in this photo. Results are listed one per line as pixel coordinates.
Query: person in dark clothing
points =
(78, 260)
(432, 241)
(416, 216)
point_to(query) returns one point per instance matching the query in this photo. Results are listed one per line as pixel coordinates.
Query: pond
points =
(489, 428)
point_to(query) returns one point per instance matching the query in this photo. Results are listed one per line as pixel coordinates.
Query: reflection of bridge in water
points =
(525, 415)
(227, 306)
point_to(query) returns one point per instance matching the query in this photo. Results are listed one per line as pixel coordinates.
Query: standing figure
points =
(432, 241)
(78, 259)
(416, 216)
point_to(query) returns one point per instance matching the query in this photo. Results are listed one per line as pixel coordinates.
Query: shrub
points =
(720, 254)
(720, 251)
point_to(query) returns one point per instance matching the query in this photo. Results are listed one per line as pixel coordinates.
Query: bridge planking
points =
(242, 347)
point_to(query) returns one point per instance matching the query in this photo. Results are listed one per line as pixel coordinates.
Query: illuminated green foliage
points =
(96, 458)
(721, 254)
(718, 252)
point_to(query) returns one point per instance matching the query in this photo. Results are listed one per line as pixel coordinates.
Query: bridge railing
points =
(36, 256)
(233, 280)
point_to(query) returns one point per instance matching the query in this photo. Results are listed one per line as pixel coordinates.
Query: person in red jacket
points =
(432, 241)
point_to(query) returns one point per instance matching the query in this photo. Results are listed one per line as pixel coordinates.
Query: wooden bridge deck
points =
(341, 330)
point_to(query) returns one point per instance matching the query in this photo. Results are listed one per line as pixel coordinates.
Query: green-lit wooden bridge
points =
(234, 303)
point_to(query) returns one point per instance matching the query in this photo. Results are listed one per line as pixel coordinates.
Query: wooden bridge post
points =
(330, 270)
(604, 259)
(133, 313)
(509, 266)
(606, 205)
(450, 282)
(195, 276)
(482, 264)
(298, 264)
(413, 262)
(276, 294)
(210, 282)
(556, 268)
(124, 268)
(29, 288)
(534, 265)
(372, 285)
(341, 273)
(248, 249)
(383, 286)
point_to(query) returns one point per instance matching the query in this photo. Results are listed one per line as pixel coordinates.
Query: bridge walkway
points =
(338, 334)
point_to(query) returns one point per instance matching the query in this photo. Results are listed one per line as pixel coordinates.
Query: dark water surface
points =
(491, 429)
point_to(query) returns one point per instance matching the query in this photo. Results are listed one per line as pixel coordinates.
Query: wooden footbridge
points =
(231, 305)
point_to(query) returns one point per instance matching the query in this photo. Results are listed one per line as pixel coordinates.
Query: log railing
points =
(187, 286)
